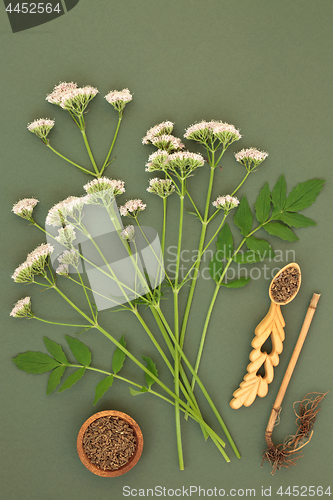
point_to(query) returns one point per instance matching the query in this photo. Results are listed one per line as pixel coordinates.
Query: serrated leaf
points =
(263, 204)
(72, 379)
(303, 195)
(152, 368)
(296, 220)
(215, 267)
(79, 350)
(35, 362)
(54, 378)
(135, 392)
(243, 217)
(225, 243)
(260, 247)
(279, 193)
(119, 357)
(280, 230)
(102, 387)
(237, 283)
(56, 351)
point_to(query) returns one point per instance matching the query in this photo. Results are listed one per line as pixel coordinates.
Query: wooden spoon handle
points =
(254, 385)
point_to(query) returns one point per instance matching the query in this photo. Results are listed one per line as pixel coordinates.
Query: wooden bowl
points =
(296, 266)
(134, 458)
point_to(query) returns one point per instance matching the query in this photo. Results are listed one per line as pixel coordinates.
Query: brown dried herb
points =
(109, 443)
(285, 285)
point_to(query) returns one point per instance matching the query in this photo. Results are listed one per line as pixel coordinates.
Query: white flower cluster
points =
(57, 215)
(128, 233)
(22, 308)
(66, 235)
(34, 264)
(71, 97)
(226, 203)
(205, 131)
(157, 160)
(164, 128)
(69, 258)
(59, 90)
(104, 183)
(161, 187)
(249, 156)
(24, 208)
(119, 98)
(132, 208)
(41, 127)
(185, 161)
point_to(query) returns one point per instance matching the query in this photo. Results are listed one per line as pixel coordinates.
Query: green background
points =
(265, 67)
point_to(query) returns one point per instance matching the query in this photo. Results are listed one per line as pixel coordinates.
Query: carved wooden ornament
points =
(272, 325)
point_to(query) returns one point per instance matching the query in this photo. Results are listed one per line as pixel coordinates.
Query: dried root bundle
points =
(287, 453)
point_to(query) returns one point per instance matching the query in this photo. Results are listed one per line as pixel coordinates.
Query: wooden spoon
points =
(282, 290)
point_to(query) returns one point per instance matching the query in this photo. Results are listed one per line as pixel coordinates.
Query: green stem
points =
(200, 384)
(197, 264)
(61, 324)
(70, 161)
(176, 325)
(112, 144)
(92, 159)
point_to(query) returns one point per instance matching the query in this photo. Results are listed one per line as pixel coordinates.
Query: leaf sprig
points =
(276, 213)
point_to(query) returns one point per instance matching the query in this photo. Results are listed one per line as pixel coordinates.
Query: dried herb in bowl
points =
(109, 443)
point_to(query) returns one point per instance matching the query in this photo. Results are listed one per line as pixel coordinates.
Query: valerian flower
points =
(34, 264)
(164, 128)
(119, 98)
(132, 208)
(62, 269)
(38, 257)
(22, 309)
(200, 132)
(55, 97)
(185, 161)
(70, 257)
(66, 235)
(226, 203)
(24, 208)
(41, 127)
(69, 207)
(128, 233)
(103, 183)
(251, 157)
(157, 161)
(167, 142)
(76, 100)
(161, 187)
(224, 132)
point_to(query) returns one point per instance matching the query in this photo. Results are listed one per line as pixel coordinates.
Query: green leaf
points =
(35, 362)
(279, 193)
(102, 387)
(72, 379)
(54, 378)
(152, 368)
(119, 357)
(243, 217)
(280, 230)
(237, 283)
(215, 267)
(134, 392)
(56, 351)
(225, 243)
(80, 350)
(303, 195)
(260, 247)
(296, 220)
(263, 204)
